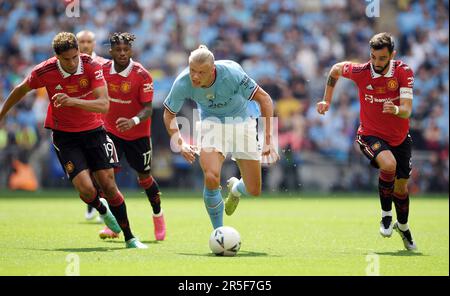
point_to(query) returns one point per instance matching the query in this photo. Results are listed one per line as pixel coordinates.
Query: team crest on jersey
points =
(125, 87)
(392, 84)
(210, 96)
(84, 83)
(376, 146)
(69, 166)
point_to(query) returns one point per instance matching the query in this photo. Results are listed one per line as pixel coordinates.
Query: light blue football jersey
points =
(229, 96)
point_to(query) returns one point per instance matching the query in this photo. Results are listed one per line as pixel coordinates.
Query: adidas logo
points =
(369, 87)
(58, 87)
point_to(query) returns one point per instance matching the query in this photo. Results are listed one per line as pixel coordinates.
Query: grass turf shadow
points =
(401, 253)
(122, 242)
(79, 250)
(239, 254)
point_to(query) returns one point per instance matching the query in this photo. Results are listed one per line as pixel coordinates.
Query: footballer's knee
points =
(212, 180)
(110, 189)
(87, 190)
(107, 184)
(386, 161)
(389, 165)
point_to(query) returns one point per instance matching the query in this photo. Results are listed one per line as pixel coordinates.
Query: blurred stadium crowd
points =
(287, 46)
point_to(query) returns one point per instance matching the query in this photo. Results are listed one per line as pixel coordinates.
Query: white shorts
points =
(240, 138)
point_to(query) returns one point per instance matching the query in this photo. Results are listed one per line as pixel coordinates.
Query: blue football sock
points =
(214, 206)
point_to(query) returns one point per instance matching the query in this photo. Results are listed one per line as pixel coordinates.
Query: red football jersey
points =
(128, 90)
(374, 90)
(51, 75)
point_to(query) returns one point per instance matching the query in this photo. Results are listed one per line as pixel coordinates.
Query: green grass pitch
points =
(42, 233)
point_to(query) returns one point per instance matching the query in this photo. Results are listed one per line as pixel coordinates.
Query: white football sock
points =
(235, 189)
(403, 227)
(386, 213)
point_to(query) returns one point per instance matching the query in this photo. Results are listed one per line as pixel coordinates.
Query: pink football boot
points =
(107, 233)
(159, 226)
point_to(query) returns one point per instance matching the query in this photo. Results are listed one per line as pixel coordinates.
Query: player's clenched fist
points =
(269, 154)
(322, 107)
(188, 152)
(390, 108)
(61, 100)
(123, 124)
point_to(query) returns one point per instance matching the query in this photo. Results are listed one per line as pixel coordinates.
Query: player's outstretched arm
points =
(176, 141)
(14, 97)
(333, 76)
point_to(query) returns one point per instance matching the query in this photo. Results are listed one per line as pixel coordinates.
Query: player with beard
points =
(385, 92)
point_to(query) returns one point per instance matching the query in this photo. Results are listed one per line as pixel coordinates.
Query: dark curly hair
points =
(119, 37)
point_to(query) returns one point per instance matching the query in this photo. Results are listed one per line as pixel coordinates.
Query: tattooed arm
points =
(333, 76)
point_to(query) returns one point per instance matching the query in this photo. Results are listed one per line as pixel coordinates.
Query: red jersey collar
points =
(80, 69)
(125, 72)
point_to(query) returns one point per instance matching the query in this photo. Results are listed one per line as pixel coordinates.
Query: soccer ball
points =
(225, 241)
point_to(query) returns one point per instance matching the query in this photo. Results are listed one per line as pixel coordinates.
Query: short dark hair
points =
(118, 37)
(64, 41)
(382, 40)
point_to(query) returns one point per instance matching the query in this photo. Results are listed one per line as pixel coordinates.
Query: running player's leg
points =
(401, 195)
(139, 155)
(72, 159)
(90, 213)
(101, 157)
(88, 193)
(211, 162)
(401, 201)
(106, 232)
(247, 153)
(387, 165)
(149, 184)
(380, 156)
(248, 184)
(105, 179)
(151, 187)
